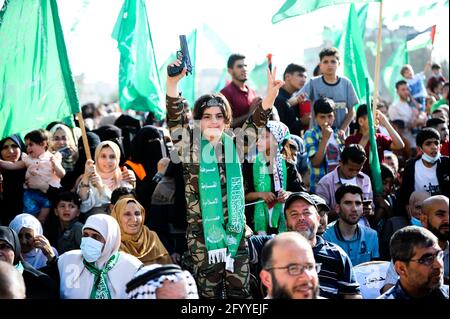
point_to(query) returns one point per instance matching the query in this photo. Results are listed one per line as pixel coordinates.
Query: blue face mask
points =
(91, 249)
(431, 160)
(415, 222)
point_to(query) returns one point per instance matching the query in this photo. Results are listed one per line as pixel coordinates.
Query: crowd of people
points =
(237, 196)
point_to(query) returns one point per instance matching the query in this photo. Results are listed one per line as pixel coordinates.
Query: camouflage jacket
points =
(186, 140)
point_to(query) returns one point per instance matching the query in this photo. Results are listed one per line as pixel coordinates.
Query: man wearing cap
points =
(349, 171)
(323, 209)
(336, 277)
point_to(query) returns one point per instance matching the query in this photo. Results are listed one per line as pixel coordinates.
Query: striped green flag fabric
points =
(139, 83)
(293, 8)
(35, 77)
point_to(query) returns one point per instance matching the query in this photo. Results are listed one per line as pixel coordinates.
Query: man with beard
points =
(359, 242)
(241, 97)
(418, 260)
(336, 276)
(289, 269)
(435, 218)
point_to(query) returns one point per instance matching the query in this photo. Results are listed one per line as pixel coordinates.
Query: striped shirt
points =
(336, 276)
(312, 140)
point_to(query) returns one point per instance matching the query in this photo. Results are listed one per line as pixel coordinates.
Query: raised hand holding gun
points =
(184, 57)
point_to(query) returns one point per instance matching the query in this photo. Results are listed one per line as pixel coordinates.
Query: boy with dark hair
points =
(338, 88)
(442, 127)
(69, 229)
(435, 78)
(294, 116)
(349, 171)
(323, 144)
(429, 171)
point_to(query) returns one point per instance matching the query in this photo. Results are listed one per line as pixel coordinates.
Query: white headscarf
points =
(76, 281)
(35, 257)
(108, 227)
(148, 289)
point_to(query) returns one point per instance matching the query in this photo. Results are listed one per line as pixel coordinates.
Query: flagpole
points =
(87, 150)
(377, 62)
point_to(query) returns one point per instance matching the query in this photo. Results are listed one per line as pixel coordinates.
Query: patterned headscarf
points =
(281, 133)
(147, 290)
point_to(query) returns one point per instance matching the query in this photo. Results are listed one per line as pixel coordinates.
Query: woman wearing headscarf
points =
(270, 179)
(137, 239)
(64, 143)
(98, 270)
(69, 180)
(38, 285)
(11, 181)
(100, 179)
(35, 248)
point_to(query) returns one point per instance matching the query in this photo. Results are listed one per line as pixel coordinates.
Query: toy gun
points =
(184, 57)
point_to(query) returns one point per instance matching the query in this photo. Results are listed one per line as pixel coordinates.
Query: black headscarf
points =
(146, 149)
(11, 201)
(10, 237)
(129, 126)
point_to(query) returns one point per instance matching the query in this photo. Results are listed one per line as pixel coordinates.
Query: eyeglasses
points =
(297, 269)
(428, 259)
(4, 246)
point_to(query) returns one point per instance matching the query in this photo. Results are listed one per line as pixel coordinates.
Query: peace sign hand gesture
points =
(273, 86)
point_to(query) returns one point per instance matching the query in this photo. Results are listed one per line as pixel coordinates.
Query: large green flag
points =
(293, 8)
(391, 70)
(36, 84)
(354, 59)
(139, 83)
(374, 161)
(188, 85)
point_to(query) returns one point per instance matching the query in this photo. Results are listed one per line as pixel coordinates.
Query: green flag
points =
(374, 161)
(391, 70)
(35, 78)
(188, 85)
(354, 58)
(292, 8)
(139, 83)
(258, 77)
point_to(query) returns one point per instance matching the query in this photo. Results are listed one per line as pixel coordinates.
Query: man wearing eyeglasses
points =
(418, 260)
(336, 278)
(289, 269)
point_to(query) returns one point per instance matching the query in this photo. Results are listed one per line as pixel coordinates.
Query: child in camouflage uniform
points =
(214, 188)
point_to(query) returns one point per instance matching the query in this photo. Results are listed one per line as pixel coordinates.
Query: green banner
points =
(35, 77)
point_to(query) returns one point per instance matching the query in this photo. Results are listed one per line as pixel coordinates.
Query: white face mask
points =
(91, 249)
(431, 160)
